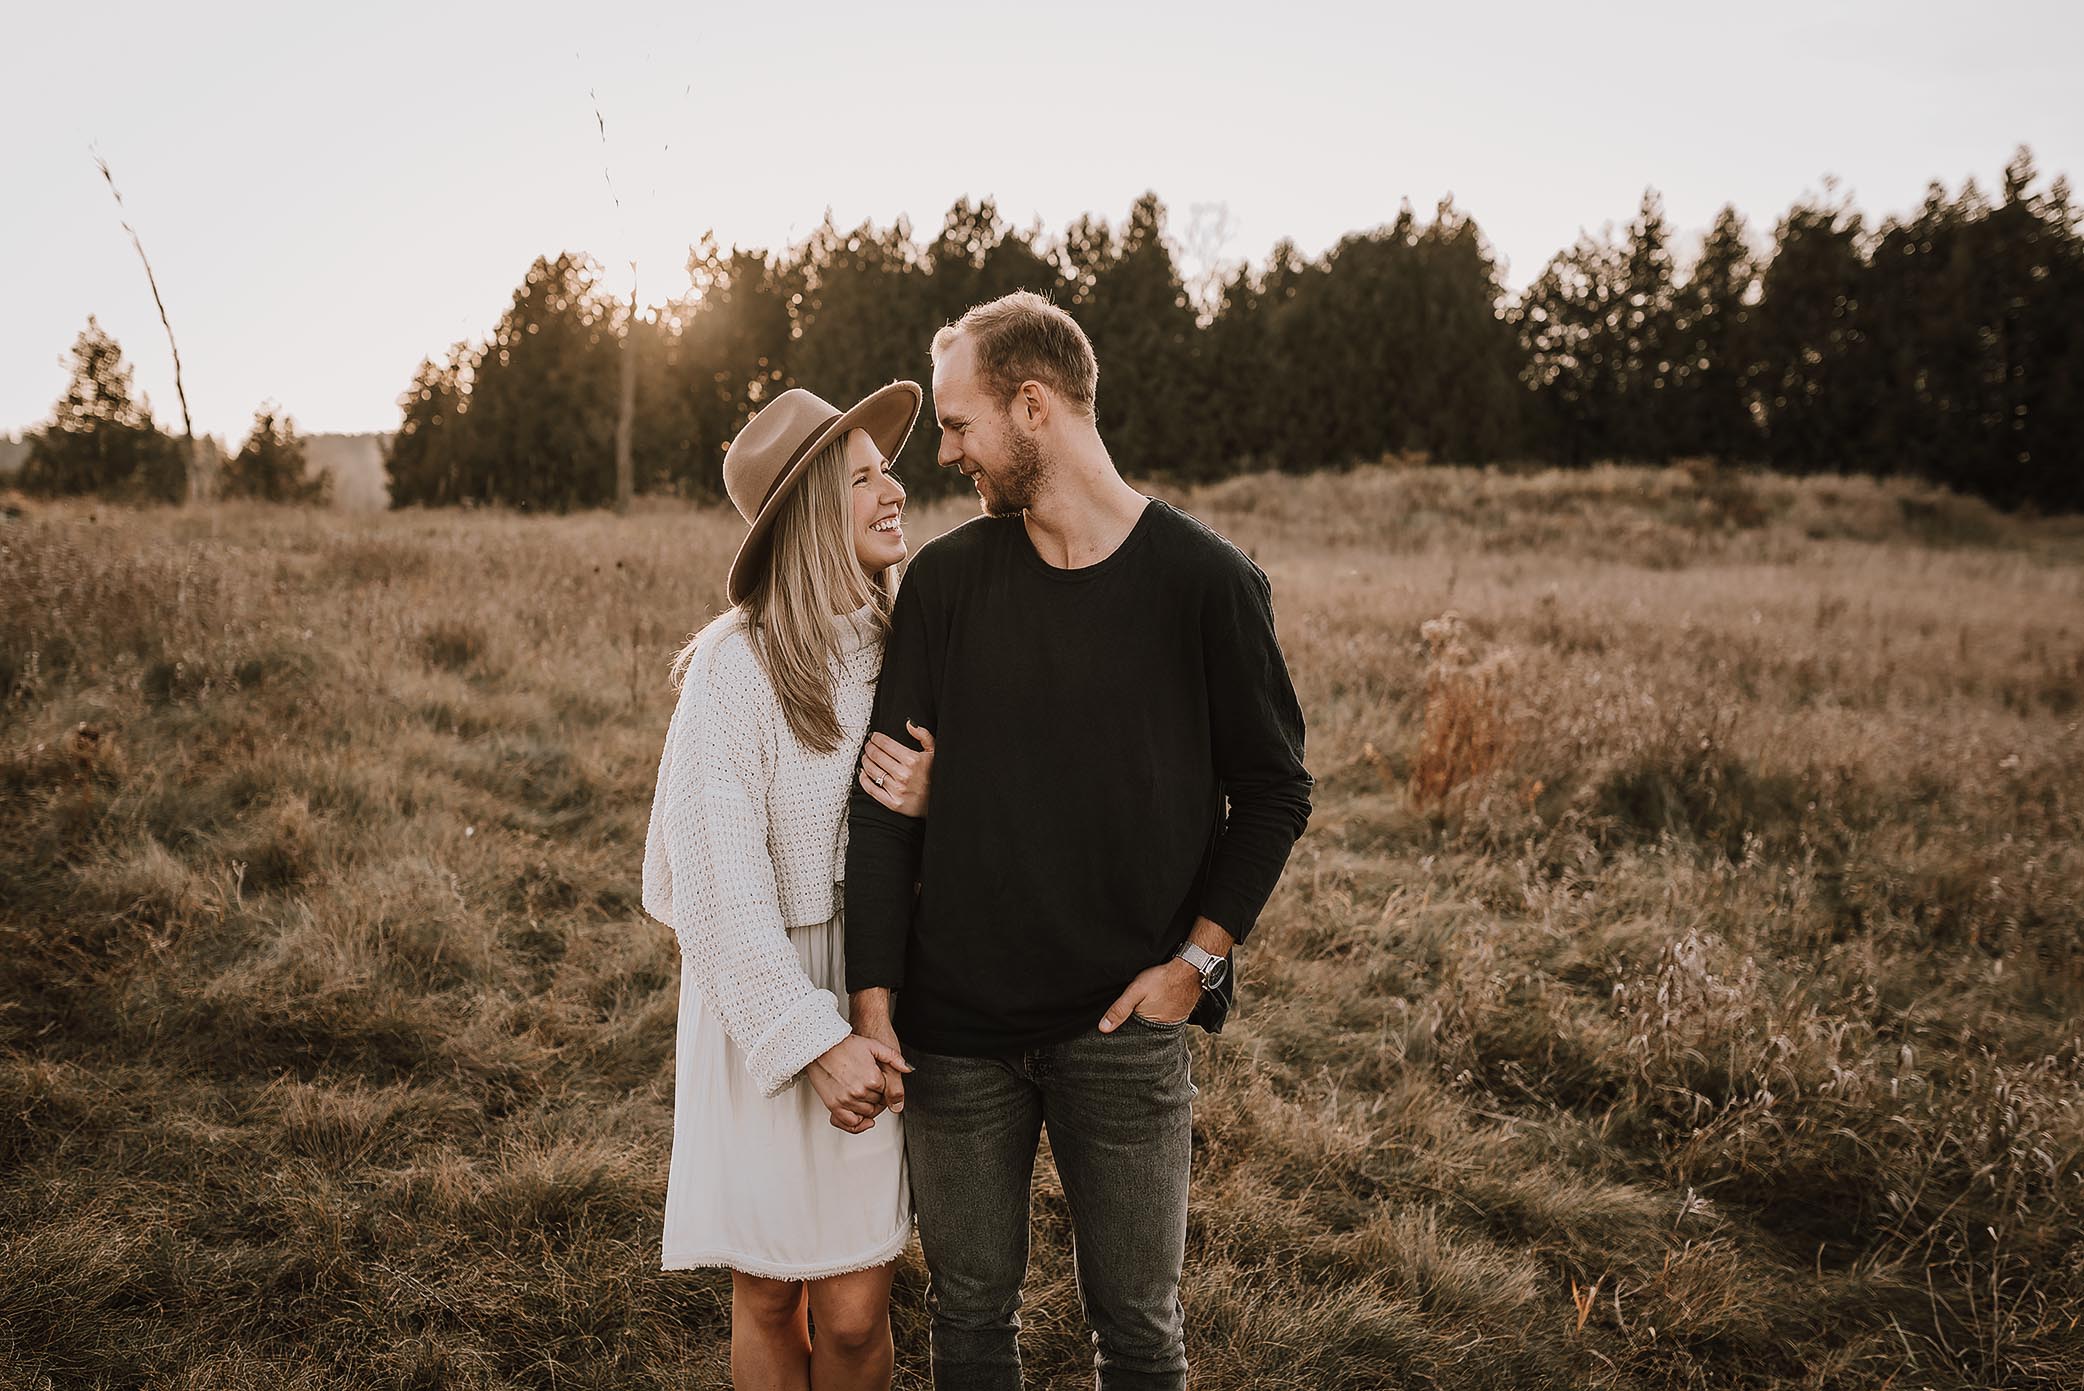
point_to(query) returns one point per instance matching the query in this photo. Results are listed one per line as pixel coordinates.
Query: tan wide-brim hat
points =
(779, 442)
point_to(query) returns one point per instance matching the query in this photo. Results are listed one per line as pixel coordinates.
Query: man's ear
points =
(1033, 403)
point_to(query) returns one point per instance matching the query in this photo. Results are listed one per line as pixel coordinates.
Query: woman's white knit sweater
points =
(748, 839)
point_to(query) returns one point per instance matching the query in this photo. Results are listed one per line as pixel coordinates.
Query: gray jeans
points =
(1119, 1108)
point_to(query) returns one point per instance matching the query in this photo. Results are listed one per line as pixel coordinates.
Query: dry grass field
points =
(1678, 985)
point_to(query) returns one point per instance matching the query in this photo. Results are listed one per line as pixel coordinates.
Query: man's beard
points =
(1012, 491)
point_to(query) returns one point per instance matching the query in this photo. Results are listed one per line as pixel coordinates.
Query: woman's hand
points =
(895, 775)
(848, 1078)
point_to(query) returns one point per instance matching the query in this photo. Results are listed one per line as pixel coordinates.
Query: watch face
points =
(1218, 969)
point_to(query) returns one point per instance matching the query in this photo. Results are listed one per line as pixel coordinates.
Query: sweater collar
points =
(856, 629)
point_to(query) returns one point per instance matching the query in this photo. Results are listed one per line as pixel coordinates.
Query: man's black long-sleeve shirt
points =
(1089, 726)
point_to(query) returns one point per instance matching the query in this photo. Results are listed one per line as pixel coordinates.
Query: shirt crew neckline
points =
(1080, 573)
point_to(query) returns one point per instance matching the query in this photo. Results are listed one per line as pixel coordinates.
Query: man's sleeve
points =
(883, 845)
(1256, 725)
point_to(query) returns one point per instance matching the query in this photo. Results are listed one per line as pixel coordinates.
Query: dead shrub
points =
(1468, 729)
(453, 644)
(280, 846)
(368, 560)
(1724, 496)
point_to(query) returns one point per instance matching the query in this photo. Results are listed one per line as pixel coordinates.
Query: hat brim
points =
(887, 413)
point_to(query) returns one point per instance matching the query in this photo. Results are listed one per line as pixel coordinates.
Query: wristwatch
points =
(1213, 968)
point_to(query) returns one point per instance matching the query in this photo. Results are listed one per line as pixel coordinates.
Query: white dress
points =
(743, 858)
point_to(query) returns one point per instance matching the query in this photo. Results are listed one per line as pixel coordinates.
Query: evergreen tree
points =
(1154, 401)
(976, 258)
(1466, 398)
(271, 466)
(540, 430)
(866, 319)
(731, 352)
(1240, 368)
(1712, 373)
(1570, 326)
(1350, 326)
(100, 440)
(2041, 457)
(421, 460)
(1289, 365)
(1819, 378)
(1642, 423)
(1086, 252)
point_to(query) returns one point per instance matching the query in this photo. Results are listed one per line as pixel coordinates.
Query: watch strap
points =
(1206, 964)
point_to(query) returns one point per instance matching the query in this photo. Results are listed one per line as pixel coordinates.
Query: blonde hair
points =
(1022, 337)
(812, 576)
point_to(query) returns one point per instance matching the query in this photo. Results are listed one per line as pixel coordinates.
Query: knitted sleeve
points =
(723, 900)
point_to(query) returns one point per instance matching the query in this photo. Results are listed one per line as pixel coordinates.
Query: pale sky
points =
(330, 194)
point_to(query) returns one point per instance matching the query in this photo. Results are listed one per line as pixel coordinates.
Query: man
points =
(1100, 674)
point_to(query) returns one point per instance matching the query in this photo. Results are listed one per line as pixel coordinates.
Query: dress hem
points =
(752, 1265)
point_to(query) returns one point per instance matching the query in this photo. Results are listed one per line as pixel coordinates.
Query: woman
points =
(785, 1166)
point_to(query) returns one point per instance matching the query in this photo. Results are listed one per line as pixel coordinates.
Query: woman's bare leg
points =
(770, 1338)
(852, 1350)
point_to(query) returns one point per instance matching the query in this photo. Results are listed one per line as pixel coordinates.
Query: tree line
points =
(1944, 343)
(1947, 344)
(101, 439)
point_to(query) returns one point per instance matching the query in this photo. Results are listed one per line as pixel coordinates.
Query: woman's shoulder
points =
(722, 667)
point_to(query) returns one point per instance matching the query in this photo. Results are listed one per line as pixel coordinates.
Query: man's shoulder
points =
(1191, 542)
(960, 545)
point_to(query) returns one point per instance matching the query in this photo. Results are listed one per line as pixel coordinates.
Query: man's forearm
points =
(870, 1009)
(1211, 938)
(1206, 934)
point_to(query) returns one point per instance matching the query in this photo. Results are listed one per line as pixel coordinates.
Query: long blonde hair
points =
(811, 578)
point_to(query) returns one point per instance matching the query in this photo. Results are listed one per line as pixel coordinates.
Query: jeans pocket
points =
(1160, 1025)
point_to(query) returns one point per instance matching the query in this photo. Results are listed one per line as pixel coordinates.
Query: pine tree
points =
(99, 439)
(1355, 324)
(1570, 323)
(2042, 455)
(1819, 376)
(1467, 402)
(421, 461)
(270, 466)
(866, 318)
(1154, 395)
(540, 430)
(1240, 368)
(1643, 425)
(733, 349)
(1712, 373)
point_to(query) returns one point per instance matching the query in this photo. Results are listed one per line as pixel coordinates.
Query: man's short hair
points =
(1022, 337)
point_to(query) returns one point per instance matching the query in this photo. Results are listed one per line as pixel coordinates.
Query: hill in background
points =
(358, 470)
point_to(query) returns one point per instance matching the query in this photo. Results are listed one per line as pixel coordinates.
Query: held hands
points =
(895, 775)
(879, 1031)
(871, 1016)
(1163, 994)
(856, 1078)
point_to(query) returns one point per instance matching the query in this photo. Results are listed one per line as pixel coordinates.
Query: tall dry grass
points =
(1678, 985)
